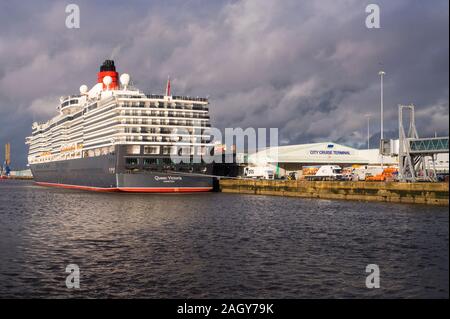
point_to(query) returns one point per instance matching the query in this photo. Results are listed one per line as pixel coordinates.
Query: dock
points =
(395, 192)
(16, 177)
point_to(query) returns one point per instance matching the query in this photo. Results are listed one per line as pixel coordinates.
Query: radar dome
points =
(125, 79)
(83, 89)
(107, 80)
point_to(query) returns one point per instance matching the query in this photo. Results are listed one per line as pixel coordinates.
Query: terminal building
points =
(293, 158)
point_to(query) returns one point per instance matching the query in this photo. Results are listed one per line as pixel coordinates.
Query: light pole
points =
(381, 74)
(368, 131)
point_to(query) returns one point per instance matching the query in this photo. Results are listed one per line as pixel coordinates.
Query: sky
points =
(309, 68)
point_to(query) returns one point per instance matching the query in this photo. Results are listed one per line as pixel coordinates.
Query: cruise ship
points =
(113, 137)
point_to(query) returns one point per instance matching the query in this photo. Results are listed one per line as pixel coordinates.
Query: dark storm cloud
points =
(307, 67)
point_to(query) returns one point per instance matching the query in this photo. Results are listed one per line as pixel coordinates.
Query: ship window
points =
(150, 161)
(131, 161)
(166, 150)
(133, 149)
(151, 150)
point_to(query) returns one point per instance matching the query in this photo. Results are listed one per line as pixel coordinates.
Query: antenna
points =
(368, 131)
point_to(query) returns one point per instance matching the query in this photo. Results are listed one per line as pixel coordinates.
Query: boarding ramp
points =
(414, 152)
(432, 145)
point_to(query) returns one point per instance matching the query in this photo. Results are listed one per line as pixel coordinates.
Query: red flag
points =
(168, 87)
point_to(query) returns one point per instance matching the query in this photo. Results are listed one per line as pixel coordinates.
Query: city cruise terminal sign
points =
(329, 151)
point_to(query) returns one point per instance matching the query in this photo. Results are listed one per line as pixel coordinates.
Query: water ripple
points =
(216, 245)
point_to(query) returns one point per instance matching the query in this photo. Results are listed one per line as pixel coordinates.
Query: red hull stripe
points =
(131, 189)
(164, 189)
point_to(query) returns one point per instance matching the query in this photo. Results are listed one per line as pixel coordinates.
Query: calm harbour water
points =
(216, 246)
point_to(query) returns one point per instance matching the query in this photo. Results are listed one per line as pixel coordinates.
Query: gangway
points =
(433, 145)
(413, 151)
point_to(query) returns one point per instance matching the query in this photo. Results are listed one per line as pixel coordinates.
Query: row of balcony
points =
(173, 105)
(164, 114)
(159, 139)
(165, 122)
(178, 97)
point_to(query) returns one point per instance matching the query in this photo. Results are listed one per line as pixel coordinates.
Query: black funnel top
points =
(108, 65)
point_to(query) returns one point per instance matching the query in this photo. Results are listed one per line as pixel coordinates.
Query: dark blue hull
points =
(101, 173)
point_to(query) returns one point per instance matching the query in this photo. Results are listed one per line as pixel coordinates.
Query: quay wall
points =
(411, 193)
(17, 177)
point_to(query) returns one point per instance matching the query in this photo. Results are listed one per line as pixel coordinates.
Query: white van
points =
(326, 173)
(262, 172)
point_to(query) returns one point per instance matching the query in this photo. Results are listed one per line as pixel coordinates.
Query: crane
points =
(6, 169)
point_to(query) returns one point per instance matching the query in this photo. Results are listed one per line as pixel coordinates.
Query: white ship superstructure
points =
(90, 124)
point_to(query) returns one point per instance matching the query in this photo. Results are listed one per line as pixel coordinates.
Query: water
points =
(216, 245)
